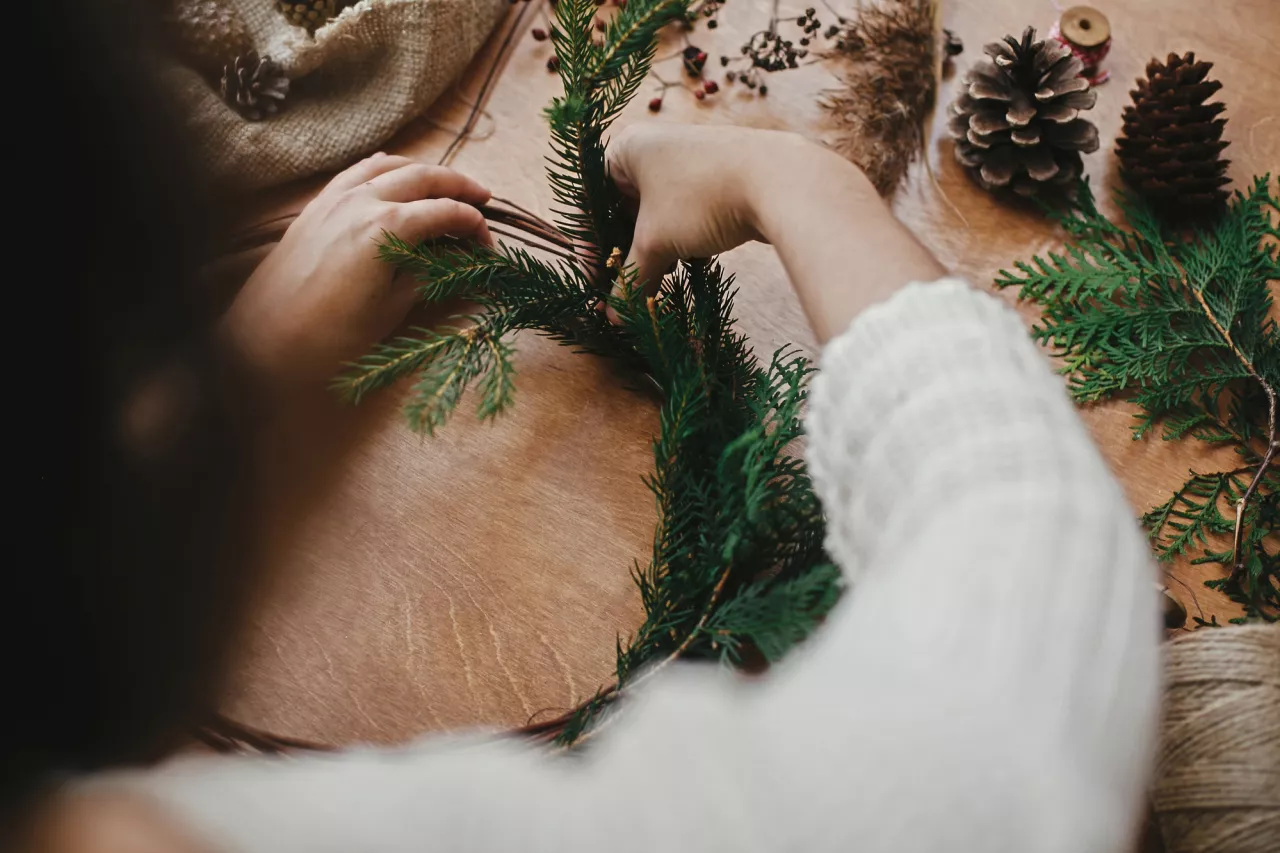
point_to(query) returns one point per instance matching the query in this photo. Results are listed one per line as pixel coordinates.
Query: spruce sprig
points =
(737, 561)
(1184, 326)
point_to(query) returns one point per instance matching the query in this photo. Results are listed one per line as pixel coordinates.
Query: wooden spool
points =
(1085, 27)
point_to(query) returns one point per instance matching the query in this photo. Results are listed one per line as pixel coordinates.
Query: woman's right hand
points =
(693, 184)
(704, 190)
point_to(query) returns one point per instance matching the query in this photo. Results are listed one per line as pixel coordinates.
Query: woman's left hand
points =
(322, 296)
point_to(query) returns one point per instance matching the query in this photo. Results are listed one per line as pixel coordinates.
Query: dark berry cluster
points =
(769, 51)
(705, 9)
(693, 58)
(952, 45)
(774, 50)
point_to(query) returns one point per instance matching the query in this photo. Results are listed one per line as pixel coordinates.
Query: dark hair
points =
(121, 599)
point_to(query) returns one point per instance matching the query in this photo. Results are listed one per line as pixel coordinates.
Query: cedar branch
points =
(1237, 555)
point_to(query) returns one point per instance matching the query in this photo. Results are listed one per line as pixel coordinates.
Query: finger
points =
(616, 160)
(650, 267)
(419, 181)
(366, 170)
(439, 217)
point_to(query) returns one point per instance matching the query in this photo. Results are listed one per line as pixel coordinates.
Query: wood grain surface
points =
(481, 578)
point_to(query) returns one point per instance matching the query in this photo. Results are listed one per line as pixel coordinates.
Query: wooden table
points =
(481, 578)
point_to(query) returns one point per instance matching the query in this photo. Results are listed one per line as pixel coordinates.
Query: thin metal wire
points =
(486, 87)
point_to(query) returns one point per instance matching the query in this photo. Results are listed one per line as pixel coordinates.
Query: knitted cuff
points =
(938, 368)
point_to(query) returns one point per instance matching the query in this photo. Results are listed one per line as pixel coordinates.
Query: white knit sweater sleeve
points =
(989, 683)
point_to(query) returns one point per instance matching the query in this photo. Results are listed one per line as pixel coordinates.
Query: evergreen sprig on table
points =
(1185, 327)
(737, 565)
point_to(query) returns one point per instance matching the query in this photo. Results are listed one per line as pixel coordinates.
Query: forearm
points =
(841, 245)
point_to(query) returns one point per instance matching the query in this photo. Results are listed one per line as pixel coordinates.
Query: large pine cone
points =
(1172, 140)
(254, 86)
(1016, 125)
(206, 34)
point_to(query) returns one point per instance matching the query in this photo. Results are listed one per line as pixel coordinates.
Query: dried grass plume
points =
(893, 55)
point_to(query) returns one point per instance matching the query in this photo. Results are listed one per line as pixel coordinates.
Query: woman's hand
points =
(693, 185)
(705, 190)
(322, 296)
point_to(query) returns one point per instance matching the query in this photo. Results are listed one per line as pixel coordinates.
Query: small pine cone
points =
(1170, 150)
(206, 34)
(254, 86)
(312, 14)
(1016, 125)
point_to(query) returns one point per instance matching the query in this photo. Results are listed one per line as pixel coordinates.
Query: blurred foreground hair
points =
(121, 581)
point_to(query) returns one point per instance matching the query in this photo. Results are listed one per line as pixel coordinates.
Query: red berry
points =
(701, 57)
(711, 87)
(600, 24)
(553, 63)
(539, 34)
(700, 95)
(655, 105)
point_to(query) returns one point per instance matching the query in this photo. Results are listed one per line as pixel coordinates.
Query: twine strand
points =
(1217, 778)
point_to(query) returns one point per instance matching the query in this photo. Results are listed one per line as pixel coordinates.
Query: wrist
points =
(839, 242)
(259, 359)
(792, 180)
(239, 345)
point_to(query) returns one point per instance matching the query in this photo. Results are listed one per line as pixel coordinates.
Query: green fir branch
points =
(445, 272)
(387, 363)
(737, 560)
(773, 616)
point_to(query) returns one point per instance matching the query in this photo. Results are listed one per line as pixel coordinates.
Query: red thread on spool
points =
(1087, 33)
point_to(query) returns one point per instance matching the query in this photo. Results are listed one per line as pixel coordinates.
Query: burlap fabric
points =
(377, 65)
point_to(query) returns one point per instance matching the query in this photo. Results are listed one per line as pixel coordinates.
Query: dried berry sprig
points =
(705, 10)
(700, 89)
(773, 49)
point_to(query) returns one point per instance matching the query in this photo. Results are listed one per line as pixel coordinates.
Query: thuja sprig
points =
(1183, 326)
(737, 560)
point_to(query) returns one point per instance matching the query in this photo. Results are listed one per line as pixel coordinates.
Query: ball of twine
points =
(1217, 782)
